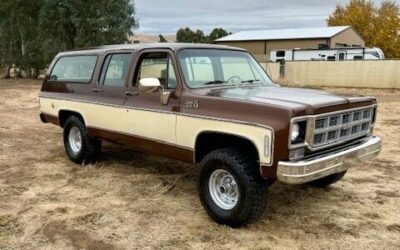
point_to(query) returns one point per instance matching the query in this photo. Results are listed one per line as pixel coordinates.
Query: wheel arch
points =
(207, 141)
(64, 114)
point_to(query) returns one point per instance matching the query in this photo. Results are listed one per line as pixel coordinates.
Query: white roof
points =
(283, 34)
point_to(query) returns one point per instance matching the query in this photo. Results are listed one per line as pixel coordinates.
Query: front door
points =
(147, 118)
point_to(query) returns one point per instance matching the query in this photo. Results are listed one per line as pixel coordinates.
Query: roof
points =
(285, 34)
(140, 46)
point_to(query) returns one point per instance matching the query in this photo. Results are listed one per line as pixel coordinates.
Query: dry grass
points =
(134, 200)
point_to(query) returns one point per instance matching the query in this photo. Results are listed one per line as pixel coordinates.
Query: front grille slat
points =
(343, 126)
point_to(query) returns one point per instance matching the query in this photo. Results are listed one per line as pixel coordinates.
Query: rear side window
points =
(77, 69)
(115, 69)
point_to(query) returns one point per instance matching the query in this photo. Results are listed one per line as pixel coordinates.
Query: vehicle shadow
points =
(285, 202)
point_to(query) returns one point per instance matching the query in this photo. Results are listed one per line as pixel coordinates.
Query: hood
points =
(294, 98)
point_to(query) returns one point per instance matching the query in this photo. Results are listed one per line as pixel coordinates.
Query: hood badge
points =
(192, 104)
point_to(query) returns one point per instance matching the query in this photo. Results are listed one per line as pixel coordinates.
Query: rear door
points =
(109, 91)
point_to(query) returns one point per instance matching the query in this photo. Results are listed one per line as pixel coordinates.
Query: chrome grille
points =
(338, 127)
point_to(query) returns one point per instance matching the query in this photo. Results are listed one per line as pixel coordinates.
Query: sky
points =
(167, 16)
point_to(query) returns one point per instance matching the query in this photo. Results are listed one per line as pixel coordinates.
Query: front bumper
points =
(303, 171)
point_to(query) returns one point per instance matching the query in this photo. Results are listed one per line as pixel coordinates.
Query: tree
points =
(77, 24)
(216, 34)
(32, 32)
(186, 35)
(162, 39)
(388, 29)
(20, 41)
(379, 26)
(199, 37)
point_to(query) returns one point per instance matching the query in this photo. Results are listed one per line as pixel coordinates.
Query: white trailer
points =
(335, 54)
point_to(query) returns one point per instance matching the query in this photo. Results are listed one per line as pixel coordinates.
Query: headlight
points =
(298, 132)
(295, 132)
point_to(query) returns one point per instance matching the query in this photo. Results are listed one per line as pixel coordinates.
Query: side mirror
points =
(149, 85)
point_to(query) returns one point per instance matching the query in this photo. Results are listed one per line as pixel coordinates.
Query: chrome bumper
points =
(304, 171)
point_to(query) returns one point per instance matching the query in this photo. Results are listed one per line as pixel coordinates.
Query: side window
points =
(158, 65)
(115, 69)
(280, 53)
(331, 58)
(77, 69)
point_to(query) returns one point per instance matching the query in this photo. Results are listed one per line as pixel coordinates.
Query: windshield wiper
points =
(252, 81)
(214, 82)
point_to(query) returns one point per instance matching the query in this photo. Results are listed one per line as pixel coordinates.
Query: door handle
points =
(130, 93)
(97, 90)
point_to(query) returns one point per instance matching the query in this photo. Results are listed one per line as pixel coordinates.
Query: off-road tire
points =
(252, 187)
(91, 148)
(328, 180)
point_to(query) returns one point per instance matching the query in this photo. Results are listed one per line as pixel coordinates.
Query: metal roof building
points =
(261, 42)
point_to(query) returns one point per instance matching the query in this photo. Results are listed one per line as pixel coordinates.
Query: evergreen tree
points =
(186, 35)
(32, 32)
(162, 39)
(216, 34)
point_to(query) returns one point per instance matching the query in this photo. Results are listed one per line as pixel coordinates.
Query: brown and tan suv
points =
(213, 106)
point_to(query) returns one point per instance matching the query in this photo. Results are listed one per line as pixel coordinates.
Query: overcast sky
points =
(167, 16)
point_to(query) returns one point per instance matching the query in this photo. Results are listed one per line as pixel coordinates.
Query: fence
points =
(362, 74)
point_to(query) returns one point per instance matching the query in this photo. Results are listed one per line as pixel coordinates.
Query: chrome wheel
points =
(223, 189)
(75, 139)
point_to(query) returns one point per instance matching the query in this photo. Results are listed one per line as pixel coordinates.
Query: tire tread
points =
(248, 168)
(91, 146)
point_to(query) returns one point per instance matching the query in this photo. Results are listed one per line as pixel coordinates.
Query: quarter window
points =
(115, 69)
(77, 69)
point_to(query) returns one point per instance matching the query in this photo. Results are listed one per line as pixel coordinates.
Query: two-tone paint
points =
(259, 114)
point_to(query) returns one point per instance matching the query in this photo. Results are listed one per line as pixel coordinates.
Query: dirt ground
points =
(133, 200)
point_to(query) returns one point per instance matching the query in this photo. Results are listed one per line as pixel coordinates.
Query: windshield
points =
(207, 67)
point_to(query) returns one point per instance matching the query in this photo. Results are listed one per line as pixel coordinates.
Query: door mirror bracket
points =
(165, 95)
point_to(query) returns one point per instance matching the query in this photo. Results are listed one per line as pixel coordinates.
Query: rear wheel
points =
(79, 146)
(231, 188)
(328, 180)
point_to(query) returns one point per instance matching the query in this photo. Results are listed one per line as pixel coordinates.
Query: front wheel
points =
(79, 147)
(230, 187)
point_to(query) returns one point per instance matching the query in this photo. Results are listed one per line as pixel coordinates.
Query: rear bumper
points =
(304, 171)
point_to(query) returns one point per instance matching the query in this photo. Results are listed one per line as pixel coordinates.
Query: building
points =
(261, 42)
